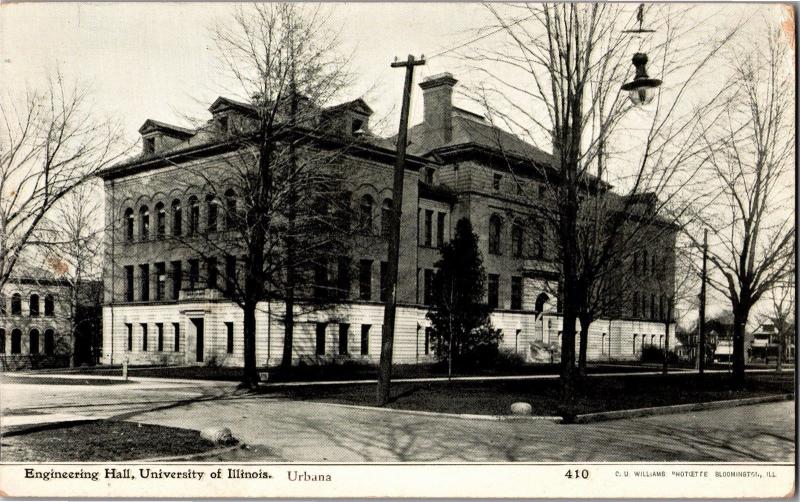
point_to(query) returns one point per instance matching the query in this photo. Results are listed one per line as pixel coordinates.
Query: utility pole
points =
(387, 337)
(701, 349)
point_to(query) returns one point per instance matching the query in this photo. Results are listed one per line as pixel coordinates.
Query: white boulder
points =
(218, 435)
(523, 409)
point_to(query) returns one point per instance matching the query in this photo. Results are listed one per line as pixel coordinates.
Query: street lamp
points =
(642, 89)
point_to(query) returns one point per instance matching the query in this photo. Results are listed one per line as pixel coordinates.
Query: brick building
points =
(160, 309)
(35, 323)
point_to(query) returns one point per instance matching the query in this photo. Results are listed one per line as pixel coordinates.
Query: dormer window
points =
(428, 175)
(357, 127)
(149, 146)
(223, 124)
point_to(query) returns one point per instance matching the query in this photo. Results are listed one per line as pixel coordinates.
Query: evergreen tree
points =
(458, 311)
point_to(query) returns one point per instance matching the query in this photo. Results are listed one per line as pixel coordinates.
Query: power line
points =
(481, 37)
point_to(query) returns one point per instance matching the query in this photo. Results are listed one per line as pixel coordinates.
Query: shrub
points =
(654, 354)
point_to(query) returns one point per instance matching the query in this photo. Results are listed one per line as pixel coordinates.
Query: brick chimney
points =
(437, 96)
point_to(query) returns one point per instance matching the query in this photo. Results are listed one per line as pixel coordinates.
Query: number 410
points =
(577, 474)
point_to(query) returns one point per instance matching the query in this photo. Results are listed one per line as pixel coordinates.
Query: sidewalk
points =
(301, 431)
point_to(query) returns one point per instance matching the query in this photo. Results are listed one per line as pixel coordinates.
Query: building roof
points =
(207, 141)
(172, 130)
(471, 129)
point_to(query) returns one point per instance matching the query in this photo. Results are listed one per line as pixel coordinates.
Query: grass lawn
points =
(594, 394)
(338, 372)
(101, 441)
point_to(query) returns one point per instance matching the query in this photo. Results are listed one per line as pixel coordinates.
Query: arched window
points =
(365, 211)
(644, 304)
(386, 218)
(129, 224)
(538, 242)
(230, 209)
(34, 345)
(635, 304)
(644, 262)
(194, 215)
(212, 211)
(16, 304)
(16, 341)
(541, 300)
(495, 231)
(517, 239)
(636, 263)
(177, 218)
(3, 311)
(34, 306)
(144, 223)
(161, 220)
(49, 306)
(49, 342)
(653, 264)
(2, 341)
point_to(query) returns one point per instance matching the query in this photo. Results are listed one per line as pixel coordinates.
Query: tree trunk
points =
(583, 344)
(779, 361)
(250, 376)
(665, 368)
(740, 315)
(288, 335)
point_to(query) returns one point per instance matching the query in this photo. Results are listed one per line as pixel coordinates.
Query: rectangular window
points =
(365, 339)
(160, 336)
(384, 281)
(129, 283)
(229, 337)
(365, 280)
(230, 275)
(211, 273)
(161, 280)
(652, 306)
(428, 287)
(344, 333)
(428, 227)
(428, 340)
(320, 280)
(144, 277)
(176, 279)
(343, 277)
(516, 293)
(176, 333)
(496, 181)
(194, 273)
(494, 290)
(321, 338)
(144, 337)
(635, 308)
(440, 229)
(129, 329)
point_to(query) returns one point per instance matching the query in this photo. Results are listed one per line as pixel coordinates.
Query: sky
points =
(157, 60)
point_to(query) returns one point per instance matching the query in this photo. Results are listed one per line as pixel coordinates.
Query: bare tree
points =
(74, 251)
(281, 189)
(751, 152)
(571, 60)
(50, 143)
(782, 316)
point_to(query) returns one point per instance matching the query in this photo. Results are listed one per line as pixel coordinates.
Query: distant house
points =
(766, 342)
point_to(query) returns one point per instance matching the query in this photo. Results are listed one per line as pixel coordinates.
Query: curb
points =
(189, 457)
(22, 429)
(435, 414)
(679, 408)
